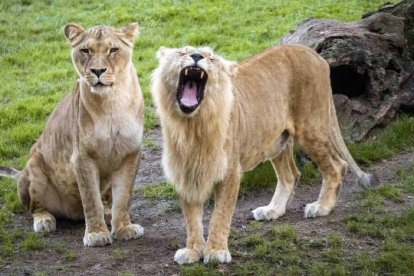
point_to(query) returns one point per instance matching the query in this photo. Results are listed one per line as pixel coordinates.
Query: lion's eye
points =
(113, 50)
(85, 50)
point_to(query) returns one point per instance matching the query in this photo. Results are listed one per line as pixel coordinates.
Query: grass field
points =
(36, 72)
(35, 67)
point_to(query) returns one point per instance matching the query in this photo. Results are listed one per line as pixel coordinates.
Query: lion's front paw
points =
(131, 231)
(100, 238)
(222, 256)
(187, 256)
(268, 212)
(315, 209)
(44, 224)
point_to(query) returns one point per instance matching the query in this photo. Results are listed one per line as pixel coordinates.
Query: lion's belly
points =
(250, 160)
(264, 149)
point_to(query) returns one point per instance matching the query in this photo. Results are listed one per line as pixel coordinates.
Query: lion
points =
(220, 118)
(84, 164)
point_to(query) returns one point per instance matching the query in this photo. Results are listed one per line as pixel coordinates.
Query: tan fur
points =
(86, 159)
(251, 112)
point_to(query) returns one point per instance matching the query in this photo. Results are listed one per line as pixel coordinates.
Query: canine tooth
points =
(186, 72)
(202, 74)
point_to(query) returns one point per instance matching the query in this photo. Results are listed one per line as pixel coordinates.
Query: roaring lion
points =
(220, 119)
(85, 161)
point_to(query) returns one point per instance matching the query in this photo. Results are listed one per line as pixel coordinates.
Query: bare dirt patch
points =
(164, 229)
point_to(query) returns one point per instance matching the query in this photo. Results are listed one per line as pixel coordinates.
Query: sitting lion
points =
(220, 119)
(86, 159)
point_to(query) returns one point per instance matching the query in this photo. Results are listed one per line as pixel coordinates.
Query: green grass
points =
(71, 256)
(32, 242)
(117, 254)
(125, 273)
(158, 191)
(397, 137)
(149, 144)
(397, 236)
(407, 180)
(8, 241)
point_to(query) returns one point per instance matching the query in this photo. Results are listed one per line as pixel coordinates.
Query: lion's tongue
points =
(189, 97)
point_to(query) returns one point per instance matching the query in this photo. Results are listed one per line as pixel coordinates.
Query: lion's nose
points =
(197, 57)
(98, 72)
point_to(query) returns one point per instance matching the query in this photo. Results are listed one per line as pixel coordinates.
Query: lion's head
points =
(101, 54)
(188, 79)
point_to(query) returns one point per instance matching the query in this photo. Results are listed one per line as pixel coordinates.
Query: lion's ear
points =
(73, 33)
(231, 67)
(131, 31)
(162, 52)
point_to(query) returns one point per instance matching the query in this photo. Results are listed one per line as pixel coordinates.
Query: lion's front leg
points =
(193, 215)
(122, 184)
(87, 176)
(225, 201)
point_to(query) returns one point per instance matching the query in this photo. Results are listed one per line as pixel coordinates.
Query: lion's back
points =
(56, 143)
(283, 79)
(288, 63)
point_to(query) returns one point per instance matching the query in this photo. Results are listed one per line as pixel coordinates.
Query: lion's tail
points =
(365, 180)
(22, 182)
(9, 172)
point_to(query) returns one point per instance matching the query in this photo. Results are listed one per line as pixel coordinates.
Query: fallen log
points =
(372, 71)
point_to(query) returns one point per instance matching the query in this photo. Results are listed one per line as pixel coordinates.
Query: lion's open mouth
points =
(190, 91)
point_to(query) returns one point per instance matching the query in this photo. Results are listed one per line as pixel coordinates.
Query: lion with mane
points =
(220, 119)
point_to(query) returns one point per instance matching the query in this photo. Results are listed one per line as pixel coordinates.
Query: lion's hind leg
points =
(320, 149)
(40, 194)
(287, 175)
(43, 221)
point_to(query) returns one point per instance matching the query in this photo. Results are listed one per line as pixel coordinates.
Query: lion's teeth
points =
(202, 74)
(186, 72)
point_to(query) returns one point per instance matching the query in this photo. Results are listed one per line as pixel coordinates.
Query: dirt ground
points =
(164, 229)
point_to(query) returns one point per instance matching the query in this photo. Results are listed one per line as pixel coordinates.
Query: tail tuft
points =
(368, 181)
(9, 172)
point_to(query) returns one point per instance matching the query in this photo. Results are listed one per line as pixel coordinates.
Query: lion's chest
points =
(112, 138)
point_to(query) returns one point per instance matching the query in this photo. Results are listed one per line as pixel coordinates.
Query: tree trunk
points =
(372, 73)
